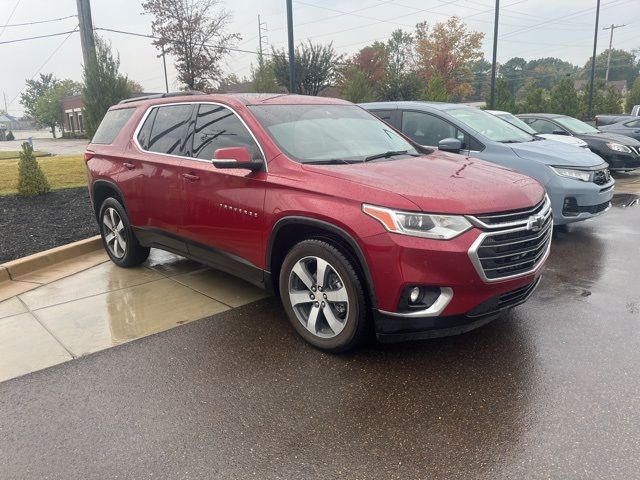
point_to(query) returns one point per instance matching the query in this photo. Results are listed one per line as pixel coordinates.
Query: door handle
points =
(191, 177)
(129, 166)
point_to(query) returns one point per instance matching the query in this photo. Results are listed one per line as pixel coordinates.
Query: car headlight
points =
(436, 226)
(571, 173)
(618, 147)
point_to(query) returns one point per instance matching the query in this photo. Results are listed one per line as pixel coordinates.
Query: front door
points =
(223, 209)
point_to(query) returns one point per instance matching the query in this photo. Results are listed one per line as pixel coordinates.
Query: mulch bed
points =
(30, 225)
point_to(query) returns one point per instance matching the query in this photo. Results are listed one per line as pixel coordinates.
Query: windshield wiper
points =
(332, 161)
(389, 154)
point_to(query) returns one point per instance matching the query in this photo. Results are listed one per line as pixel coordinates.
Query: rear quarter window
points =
(111, 125)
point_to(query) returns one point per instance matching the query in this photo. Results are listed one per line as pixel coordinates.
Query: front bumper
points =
(589, 199)
(391, 329)
(622, 162)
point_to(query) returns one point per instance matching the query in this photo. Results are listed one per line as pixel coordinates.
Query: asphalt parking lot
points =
(551, 390)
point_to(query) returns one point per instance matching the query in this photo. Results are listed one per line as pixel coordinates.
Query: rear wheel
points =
(323, 296)
(119, 240)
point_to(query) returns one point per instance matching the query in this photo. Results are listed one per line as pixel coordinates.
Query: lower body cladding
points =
(440, 288)
(575, 200)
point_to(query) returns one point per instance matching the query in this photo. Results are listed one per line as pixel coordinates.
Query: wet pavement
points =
(551, 390)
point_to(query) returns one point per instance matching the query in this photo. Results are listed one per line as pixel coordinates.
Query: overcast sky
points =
(528, 28)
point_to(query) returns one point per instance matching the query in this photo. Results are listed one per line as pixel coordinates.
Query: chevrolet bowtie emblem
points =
(535, 223)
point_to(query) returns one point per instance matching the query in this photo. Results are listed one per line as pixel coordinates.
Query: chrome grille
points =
(517, 248)
(511, 216)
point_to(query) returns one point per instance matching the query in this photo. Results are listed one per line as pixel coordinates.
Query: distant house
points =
(9, 122)
(72, 107)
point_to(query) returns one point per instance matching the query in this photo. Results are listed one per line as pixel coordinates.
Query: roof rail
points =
(161, 95)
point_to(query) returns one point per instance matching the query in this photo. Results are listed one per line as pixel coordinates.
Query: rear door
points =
(223, 211)
(153, 183)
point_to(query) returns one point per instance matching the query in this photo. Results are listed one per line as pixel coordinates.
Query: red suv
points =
(319, 201)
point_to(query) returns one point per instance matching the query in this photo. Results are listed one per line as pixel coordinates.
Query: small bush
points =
(10, 136)
(31, 179)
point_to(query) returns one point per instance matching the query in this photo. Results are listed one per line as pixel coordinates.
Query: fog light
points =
(414, 296)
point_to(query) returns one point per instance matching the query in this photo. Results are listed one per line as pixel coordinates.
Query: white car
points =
(516, 122)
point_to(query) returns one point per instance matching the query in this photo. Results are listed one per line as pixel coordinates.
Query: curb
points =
(16, 268)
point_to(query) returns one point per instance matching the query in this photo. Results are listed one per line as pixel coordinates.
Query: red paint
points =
(235, 210)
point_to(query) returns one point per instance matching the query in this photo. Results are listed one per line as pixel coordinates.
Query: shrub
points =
(10, 136)
(31, 179)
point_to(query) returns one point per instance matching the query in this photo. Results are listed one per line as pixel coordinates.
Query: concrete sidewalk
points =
(54, 146)
(54, 315)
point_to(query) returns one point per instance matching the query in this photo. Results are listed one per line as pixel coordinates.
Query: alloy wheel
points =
(318, 297)
(113, 232)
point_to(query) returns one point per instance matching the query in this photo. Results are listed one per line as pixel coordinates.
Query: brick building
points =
(72, 107)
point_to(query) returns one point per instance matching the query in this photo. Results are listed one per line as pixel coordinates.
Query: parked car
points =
(577, 181)
(622, 153)
(628, 127)
(602, 120)
(516, 122)
(321, 202)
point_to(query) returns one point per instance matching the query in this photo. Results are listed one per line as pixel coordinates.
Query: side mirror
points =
(560, 132)
(451, 145)
(234, 157)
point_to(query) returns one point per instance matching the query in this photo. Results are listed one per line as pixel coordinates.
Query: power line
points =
(10, 16)
(37, 22)
(39, 36)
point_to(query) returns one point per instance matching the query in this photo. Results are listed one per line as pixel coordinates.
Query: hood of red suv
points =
(441, 183)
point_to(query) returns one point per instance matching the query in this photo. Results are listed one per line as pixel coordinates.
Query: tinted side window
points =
(427, 129)
(111, 125)
(383, 115)
(169, 129)
(541, 126)
(145, 132)
(218, 127)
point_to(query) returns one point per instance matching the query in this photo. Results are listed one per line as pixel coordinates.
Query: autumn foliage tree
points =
(448, 48)
(193, 31)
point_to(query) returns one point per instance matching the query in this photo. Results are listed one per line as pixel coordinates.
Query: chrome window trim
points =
(545, 212)
(446, 295)
(158, 105)
(475, 259)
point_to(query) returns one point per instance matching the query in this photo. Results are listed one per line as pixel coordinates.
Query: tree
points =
(356, 87)
(315, 67)
(514, 72)
(263, 78)
(448, 48)
(48, 107)
(31, 179)
(34, 90)
(564, 98)
(103, 85)
(401, 81)
(193, 31)
(436, 90)
(134, 87)
(535, 98)
(610, 102)
(623, 66)
(481, 83)
(633, 97)
(503, 99)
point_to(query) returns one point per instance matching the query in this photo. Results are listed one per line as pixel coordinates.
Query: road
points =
(551, 390)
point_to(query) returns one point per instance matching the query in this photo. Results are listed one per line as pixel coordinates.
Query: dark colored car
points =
(628, 127)
(316, 199)
(622, 153)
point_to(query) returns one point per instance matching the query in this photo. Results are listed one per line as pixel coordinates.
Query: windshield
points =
(491, 127)
(576, 126)
(516, 122)
(321, 133)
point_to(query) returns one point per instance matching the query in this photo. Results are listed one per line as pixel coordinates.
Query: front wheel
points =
(323, 296)
(118, 238)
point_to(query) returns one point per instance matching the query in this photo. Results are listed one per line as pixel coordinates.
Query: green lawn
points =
(16, 155)
(61, 171)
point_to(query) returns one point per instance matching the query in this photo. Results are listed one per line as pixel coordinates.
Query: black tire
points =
(133, 253)
(355, 314)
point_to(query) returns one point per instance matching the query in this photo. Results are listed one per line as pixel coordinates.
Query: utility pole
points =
(5, 103)
(612, 28)
(492, 95)
(292, 58)
(261, 36)
(593, 62)
(164, 65)
(86, 30)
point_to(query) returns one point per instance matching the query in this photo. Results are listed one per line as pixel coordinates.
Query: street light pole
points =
(593, 62)
(492, 95)
(292, 58)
